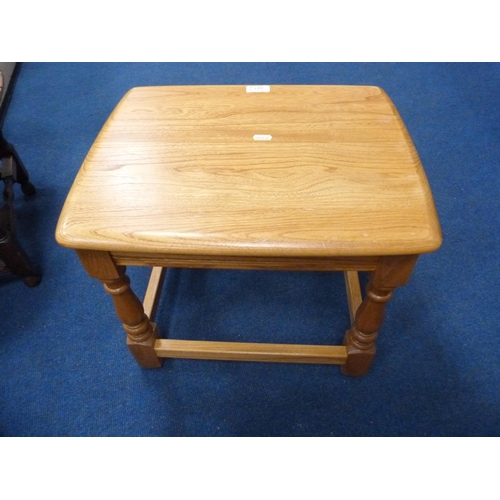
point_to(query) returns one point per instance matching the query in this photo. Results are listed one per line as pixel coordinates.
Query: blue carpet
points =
(64, 366)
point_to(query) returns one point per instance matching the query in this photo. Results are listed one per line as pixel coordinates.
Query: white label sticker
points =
(262, 137)
(258, 88)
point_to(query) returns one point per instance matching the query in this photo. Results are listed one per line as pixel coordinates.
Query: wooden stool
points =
(257, 177)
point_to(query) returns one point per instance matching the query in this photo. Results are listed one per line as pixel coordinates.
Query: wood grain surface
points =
(249, 351)
(177, 170)
(353, 290)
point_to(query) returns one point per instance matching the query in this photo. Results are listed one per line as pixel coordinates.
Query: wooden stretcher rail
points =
(153, 291)
(247, 351)
(353, 290)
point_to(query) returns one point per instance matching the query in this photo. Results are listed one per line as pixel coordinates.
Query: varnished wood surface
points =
(353, 290)
(246, 351)
(177, 170)
(153, 291)
(360, 339)
(141, 333)
(278, 263)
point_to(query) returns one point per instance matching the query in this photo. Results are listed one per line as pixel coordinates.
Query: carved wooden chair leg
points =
(12, 256)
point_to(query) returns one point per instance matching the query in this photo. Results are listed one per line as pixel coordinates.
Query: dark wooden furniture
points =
(13, 258)
(281, 177)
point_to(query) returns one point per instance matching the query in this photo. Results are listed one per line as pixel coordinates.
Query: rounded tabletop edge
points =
(428, 245)
(70, 237)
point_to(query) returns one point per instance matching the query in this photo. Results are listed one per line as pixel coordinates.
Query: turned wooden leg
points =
(11, 252)
(141, 333)
(390, 273)
(16, 260)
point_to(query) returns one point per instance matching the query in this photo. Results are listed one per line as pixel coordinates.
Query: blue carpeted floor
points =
(64, 366)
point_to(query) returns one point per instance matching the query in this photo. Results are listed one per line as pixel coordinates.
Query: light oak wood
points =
(153, 291)
(247, 262)
(141, 333)
(246, 351)
(176, 179)
(177, 169)
(353, 290)
(360, 339)
(100, 265)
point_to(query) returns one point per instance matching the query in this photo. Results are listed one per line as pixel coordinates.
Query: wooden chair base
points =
(13, 258)
(248, 351)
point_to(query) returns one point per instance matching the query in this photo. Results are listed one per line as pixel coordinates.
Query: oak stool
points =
(298, 177)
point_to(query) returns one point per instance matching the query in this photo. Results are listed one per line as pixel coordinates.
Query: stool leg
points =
(390, 273)
(141, 333)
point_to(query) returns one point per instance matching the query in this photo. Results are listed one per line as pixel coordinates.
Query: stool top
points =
(235, 170)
